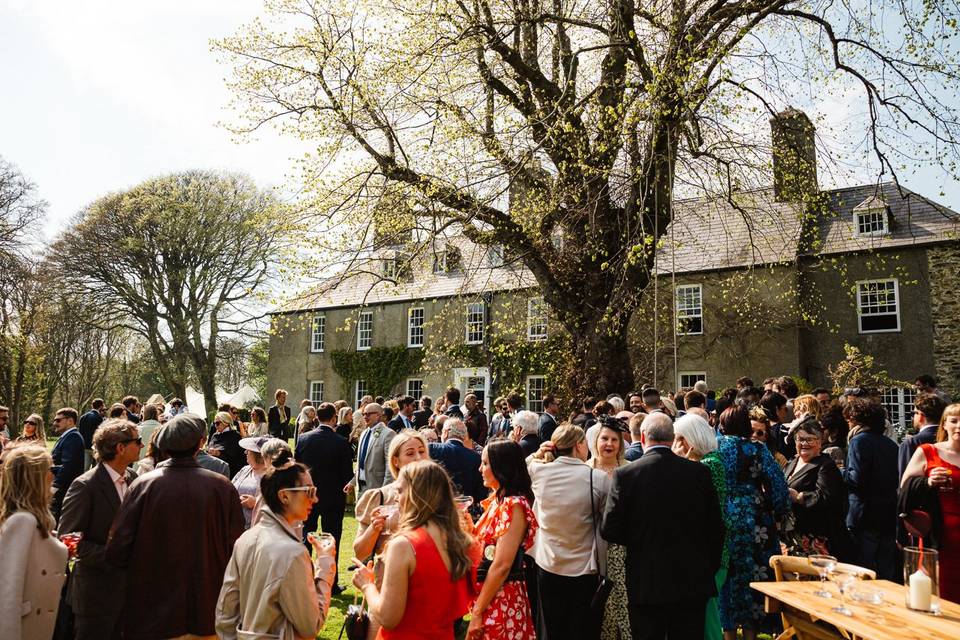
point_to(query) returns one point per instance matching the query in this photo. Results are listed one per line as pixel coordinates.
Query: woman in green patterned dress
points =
(695, 439)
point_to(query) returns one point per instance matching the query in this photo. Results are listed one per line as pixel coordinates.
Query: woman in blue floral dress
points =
(756, 500)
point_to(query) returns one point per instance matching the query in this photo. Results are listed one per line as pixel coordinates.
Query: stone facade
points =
(944, 311)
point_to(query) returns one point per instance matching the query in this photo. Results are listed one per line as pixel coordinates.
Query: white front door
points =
(475, 380)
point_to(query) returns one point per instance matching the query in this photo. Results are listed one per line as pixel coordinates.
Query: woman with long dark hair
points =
(271, 588)
(505, 531)
(756, 501)
(426, 564)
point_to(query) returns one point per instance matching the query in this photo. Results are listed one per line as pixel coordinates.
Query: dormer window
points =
(446, 261)
(497, 256)
(871, 218)
(389, 268)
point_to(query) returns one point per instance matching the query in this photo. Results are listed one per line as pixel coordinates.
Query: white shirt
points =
(119, 482)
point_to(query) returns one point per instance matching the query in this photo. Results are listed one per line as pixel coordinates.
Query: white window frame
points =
(316, 398)
(389, 268)
(318, 327)
(532, 403)
(412, 312)
(439, 262)
(360, 390)
(899, 402)
(365, 331)
(416, 394)
(497, 256)
(872, 212)
(896, 303)
(687, 312)
(474, 328)
(697, 375)
(536, 319)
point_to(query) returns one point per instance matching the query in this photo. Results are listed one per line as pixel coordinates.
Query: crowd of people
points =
(645, 516)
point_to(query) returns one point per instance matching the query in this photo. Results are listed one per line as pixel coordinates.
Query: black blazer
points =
(421, 418)
(96, 587)
(330, 460)
(233, 454)
(278, 424)
(463, 465)
(547, 426)
(529, 444)
(822, 510)
(665, 510)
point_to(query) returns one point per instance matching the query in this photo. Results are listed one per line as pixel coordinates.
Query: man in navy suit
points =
(548, 419)
(67, 456)
(330, 460)
(404, 418)
(927, 411)
(461, 463)
(88, 425)
(453, 403)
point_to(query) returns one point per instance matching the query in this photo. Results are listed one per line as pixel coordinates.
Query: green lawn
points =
(338, 605)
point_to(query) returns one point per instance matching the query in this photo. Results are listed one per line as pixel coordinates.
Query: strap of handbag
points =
(596, 532)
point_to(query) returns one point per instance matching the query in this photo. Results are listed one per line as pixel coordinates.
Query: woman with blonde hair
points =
(430, 549)
(33, 430)
(570, 497)
(377, 511)
(345, 423)
(34, 562)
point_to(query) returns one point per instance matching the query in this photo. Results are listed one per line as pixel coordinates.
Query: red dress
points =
(950, 536)
(434, 601)
(508, 616)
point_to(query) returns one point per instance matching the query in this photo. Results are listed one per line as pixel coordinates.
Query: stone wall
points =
(945, 311)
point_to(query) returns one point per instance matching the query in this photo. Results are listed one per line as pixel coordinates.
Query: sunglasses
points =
(30, 422)
(139, 441)
(311, 491)
(371, 413)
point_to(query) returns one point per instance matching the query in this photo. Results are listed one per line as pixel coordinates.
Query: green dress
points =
(713, 630)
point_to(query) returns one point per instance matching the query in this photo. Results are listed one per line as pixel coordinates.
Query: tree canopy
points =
(562, 129)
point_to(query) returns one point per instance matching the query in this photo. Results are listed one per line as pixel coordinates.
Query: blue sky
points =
(100, 95)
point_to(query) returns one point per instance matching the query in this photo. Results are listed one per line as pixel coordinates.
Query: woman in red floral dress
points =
(505, 530)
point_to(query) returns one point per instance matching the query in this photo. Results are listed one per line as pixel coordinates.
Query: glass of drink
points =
(463, 502)
(824, 565)
(844, 579)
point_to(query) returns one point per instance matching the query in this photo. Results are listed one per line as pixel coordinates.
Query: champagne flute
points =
(824, 565)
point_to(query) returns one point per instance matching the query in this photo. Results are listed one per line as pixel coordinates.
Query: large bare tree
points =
(177, 259)
(588, 115)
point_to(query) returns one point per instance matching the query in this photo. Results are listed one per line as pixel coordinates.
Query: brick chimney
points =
(794, 156)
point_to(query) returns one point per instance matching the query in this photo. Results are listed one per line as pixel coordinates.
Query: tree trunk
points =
(602, 361)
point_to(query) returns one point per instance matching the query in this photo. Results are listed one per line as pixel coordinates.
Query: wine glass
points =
(824, 565)
(388, 511)
(463, 502)
(844, 579)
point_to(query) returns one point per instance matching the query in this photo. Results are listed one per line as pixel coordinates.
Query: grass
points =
(339, 604)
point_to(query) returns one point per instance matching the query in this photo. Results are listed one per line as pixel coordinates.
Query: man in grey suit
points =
(373, 468)
(96, 589)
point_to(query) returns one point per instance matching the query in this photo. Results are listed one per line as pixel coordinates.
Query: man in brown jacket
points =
(174, 534)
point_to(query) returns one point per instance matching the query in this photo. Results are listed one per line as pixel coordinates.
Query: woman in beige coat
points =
(271, 589)
(33, 562)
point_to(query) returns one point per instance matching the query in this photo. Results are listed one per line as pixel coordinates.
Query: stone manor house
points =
(762, 284)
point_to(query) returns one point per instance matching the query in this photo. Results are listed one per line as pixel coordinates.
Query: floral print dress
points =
(508, 615)
(756, 499)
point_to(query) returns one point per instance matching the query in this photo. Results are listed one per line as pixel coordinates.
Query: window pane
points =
(535, 390)
(316, 392)
(415, 388)
(536, 319)
(689, 300)
(415, 327)
(475, 322)
(365, 330)
(317, 337)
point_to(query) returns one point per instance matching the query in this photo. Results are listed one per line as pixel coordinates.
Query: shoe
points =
(337, 590)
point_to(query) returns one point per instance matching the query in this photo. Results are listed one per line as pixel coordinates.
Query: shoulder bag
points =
(604, 584)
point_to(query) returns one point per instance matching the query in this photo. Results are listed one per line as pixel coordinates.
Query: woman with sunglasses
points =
(271, 588)
(33, 430)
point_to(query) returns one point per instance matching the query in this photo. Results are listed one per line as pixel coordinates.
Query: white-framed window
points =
(536, 319)
(690, 309)
(316, 392)
(361, 390)
(415, 388)
(476, 318)
(415, 318)
(878, 306)
(317, 331)
(477, 386)
(365, 331)
(690, 378)
(536, 387)
(497, 255)
(871, 222)
(899, 405)
(446, 261)
(389, 268)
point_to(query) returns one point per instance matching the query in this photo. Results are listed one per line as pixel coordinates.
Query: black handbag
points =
(356, 622)
(604, 584)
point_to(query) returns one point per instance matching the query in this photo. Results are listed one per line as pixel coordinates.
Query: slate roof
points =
(712, 234)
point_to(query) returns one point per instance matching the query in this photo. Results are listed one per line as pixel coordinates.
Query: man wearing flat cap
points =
(175, 532)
